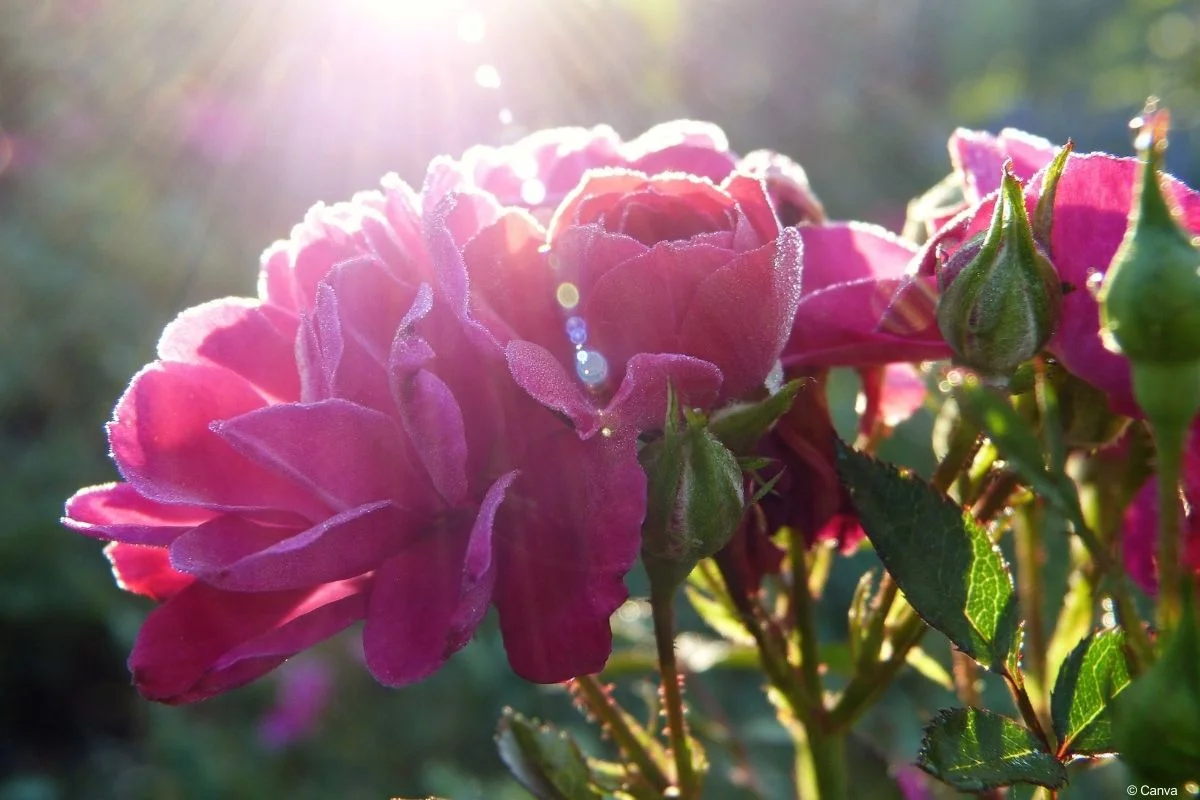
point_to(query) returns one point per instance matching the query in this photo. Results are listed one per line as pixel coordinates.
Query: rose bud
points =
(1001, 297)
(1150, 298)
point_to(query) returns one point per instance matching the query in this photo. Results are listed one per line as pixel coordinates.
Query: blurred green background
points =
(150, 150)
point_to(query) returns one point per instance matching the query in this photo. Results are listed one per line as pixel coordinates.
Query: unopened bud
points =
(1150, 298)
(1001, 297)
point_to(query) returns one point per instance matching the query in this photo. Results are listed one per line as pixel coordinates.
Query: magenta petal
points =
(540, 374)
(640, 403)
(479, 575)
(236, 334)
(867, 322)
(741, 316)
(980, 157)
(434, 423)
(344, 454)
(162, 442)
(639, 305)
(1140, 539)
(759, 224)
(204, 641)
(226, 553)
(841, 252)
(414, 597)
(146, 571)
(585, 253)
(116, 511)
(564, 544)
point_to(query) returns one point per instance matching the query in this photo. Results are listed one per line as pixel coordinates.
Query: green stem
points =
(1027, 538)
(1168, 443)
(820, 753)
(602, 706)
(865, 688)
(663, 614)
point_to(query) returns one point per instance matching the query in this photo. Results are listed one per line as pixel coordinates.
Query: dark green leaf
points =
(943, 561)
(544, 760)
(974, 750)
(740, 426)
(1090, 677)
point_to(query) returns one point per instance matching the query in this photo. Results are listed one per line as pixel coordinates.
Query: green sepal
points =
(740, 426)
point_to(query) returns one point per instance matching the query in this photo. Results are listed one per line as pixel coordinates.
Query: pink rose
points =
(340, 450)
(635, 282)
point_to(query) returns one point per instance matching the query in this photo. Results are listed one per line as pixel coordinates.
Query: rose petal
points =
(234, 333)
(236, 555)
(145, 570)
(342, 453)
(741, 315)
(162, 442)
(116, 511)
(564, 544)
(204, 641)
(640, 404)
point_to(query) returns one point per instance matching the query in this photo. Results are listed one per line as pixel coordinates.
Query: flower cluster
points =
(435, 403)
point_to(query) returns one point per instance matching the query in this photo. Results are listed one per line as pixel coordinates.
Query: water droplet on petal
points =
(591, 367)
(1094, 280)
(576, 330)
(567, 295)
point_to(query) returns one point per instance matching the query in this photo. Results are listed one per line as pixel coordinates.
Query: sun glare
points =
(424, 14)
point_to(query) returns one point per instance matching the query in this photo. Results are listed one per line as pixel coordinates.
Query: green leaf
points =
(943, 561)
(740, 426)
(974, 750)
(543, 759)
(1018, 444)
(1091, 676)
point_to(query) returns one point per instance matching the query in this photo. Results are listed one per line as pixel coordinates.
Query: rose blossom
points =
(362, 441)
(274, 493)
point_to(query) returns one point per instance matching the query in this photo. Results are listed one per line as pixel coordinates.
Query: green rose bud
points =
(694, 501)
(1001, 297)
(1150, 298)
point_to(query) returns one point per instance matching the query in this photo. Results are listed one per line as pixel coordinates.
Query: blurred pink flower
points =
(304, 687)
(1140, 538)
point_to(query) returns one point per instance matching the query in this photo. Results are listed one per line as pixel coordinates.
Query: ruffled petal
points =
(236, 555)
(116, 511)
(741, 316)
(344, 454)
(204, 641)
(162, 441)
(146, 571)
(564, 544)
(235, 333)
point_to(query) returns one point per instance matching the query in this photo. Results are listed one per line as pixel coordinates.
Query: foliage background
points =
(149, 151)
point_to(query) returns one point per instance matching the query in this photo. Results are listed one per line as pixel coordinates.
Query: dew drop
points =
(576, 330)
(567, 295)
(1094, 281)
(506, 116)
(591, 367)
